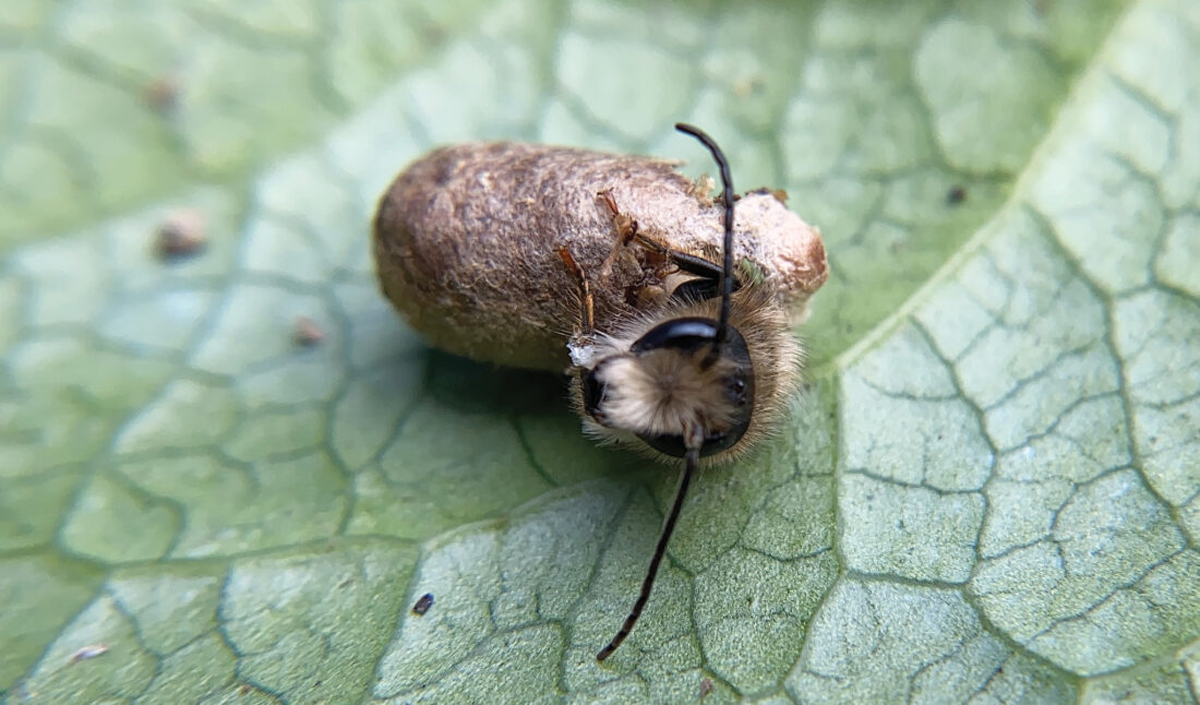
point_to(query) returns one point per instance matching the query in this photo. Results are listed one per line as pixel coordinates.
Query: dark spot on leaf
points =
(162, 94)
(956, 195)
(182, 233)
(307, 333)
(423, 604)
(745, 87)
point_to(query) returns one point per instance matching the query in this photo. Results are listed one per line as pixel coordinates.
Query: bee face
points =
(670, 380)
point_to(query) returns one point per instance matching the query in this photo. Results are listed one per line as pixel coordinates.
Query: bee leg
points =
(587, 306)
(626, 227)
(706, 285)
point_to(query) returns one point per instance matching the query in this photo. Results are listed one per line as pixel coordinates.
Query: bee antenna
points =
(727, 182)
(691, 458)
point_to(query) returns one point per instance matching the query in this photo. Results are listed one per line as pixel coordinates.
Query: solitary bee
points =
(677, 338)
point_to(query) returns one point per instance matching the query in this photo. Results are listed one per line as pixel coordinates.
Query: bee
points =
(676, 336)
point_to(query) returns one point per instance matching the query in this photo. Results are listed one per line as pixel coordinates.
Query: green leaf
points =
(990, 490)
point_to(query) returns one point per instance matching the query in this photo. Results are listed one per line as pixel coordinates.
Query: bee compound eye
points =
(672, 444)
(667, 444)
(739, 389)
(594, 389)
(684, 334)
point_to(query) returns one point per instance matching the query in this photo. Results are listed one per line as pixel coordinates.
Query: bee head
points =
(687, 383)
(674, 378)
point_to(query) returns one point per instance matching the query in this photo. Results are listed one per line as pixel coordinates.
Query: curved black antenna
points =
(692, 457)
(693, 437)
(727, 182)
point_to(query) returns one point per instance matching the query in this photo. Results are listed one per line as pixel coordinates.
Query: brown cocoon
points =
(467, 244)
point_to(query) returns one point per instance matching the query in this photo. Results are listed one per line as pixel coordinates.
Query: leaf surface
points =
(990, 490)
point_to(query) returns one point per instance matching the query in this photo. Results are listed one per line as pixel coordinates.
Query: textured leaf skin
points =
(990, 491)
